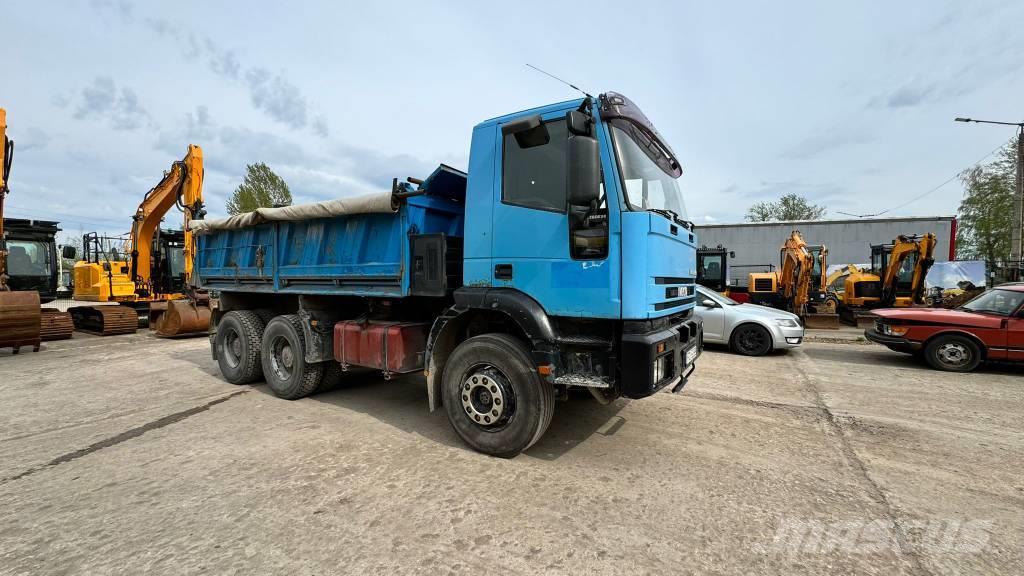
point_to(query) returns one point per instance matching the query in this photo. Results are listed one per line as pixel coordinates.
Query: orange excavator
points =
(20, 313)
(895, 279)
(152, 273)
(798, 285)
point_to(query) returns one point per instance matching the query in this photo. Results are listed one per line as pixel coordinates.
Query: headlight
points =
(787, 322)
(890, 330)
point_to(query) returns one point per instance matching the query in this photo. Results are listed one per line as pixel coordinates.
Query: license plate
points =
(691, 355)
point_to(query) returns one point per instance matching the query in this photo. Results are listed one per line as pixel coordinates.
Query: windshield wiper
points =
(671, 215)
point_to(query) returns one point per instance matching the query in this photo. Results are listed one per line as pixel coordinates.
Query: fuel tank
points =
(394, 347)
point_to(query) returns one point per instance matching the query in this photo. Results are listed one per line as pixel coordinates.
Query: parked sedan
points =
(748, 329)
(989, 327)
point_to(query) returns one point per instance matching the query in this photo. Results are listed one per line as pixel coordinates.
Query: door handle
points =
(503, 271)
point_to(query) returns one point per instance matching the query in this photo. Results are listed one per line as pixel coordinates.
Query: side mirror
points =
(68, 252)
(529, 131)
(583, 172)
(578, 123)
(708, 303)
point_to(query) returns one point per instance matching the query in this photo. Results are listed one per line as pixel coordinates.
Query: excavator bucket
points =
(56, 325)
(184, 317)
(821, 321)
(105, 320)
(19, 320)
(156, 311)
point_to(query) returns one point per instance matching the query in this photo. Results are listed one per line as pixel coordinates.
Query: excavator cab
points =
(713, 267)
(896, 277)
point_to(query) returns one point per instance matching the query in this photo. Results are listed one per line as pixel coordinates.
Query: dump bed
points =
(411, 246)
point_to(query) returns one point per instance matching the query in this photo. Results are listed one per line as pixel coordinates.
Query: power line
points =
(919, 196)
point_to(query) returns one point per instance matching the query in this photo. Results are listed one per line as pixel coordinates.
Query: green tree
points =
(260, 188)
(789, 207)
(985, 217)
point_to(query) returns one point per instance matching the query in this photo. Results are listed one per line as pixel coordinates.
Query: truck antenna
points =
(574, 87)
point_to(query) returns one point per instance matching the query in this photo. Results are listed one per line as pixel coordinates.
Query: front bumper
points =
(653, 360)
(783, 338)
(897, 343)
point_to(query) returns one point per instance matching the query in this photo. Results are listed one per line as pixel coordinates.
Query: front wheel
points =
(751, 340)
(953, 354)
(493, 396)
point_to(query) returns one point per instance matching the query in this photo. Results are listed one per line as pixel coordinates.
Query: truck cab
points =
(562, 259)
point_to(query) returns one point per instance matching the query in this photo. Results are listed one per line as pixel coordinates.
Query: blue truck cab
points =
(562, 259)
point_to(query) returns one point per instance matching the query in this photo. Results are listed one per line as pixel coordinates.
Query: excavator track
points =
(19, 320)
(55, 325)
(105, 320)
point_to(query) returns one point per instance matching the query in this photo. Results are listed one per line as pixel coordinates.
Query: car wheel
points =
(953, 354)
(750, 340)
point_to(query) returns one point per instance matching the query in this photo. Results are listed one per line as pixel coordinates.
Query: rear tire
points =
(953, 354)
(493, 396)
(284, 359)
(332, 378)
(750, 340)
(238, 343)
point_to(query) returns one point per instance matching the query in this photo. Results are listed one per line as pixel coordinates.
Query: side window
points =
(535, 177)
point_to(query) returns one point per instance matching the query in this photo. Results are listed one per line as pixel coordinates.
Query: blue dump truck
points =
(562, 259)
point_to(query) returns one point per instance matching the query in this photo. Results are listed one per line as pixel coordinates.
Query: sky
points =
(849, 104)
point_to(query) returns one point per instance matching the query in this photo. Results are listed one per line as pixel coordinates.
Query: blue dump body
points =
(355, 255)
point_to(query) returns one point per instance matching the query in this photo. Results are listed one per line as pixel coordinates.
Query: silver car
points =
(748, 329)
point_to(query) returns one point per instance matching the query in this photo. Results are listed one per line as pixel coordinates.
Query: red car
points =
(989, 327)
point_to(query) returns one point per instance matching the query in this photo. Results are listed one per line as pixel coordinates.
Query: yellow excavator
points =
(20, 313)
(152, 271)
(895, 279)
(798, 285)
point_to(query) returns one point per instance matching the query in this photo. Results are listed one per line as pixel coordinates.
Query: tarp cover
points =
(367, 204)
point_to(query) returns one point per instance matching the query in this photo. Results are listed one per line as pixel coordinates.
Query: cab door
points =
(531, 239)
(1015, 335)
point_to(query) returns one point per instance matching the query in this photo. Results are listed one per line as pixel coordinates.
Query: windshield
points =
(176, 261)
(647, 186)
(1002, 302)
(711, 295)
(28, 258)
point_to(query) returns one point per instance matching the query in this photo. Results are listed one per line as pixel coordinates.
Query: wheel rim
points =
(232, 348)
(488, 399)
(751, 340)
(282, 358)
(953, 354)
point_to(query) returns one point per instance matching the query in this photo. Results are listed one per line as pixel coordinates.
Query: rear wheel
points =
(750, 340)
(953, 354)
(494, 397)
(284, 359)
(238, 344)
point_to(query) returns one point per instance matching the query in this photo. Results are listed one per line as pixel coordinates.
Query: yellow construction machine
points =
(151, 273)
(20, 313)
(798, 285)
(895, 279)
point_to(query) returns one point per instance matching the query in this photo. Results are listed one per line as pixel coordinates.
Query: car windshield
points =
(723, 300)
(647, 186)
(1002, 302)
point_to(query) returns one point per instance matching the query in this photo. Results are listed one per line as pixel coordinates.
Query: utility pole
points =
(1018, 199)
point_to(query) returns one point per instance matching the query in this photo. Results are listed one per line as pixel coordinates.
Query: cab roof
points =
(538, 110)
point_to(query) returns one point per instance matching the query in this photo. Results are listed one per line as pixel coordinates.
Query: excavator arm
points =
(923, 247)
(181, 186)
(5, 169)
(795, 275)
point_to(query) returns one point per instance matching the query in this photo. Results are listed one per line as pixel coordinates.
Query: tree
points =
(789, 207)
(985, 217)
(260, 188)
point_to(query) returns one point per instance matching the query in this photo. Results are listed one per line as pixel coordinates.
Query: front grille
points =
(672, 280)
(673, 304)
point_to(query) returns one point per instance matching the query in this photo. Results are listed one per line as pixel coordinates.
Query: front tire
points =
(953, 354)
(238, 343)
(284, 359)
(750, 340)
(493, 396)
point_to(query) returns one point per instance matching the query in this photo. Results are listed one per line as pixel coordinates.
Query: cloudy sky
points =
(848, 104)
